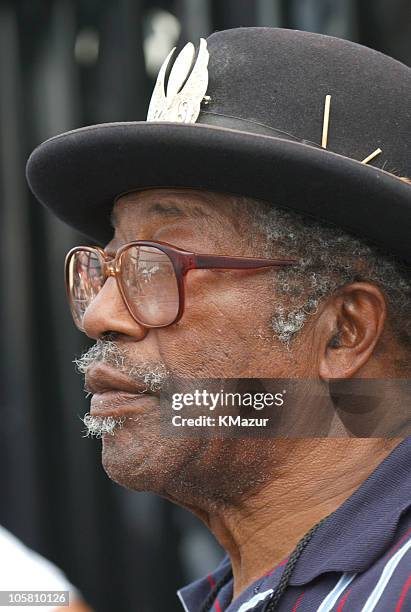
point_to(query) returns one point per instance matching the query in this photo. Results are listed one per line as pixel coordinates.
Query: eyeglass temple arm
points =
(238, 263)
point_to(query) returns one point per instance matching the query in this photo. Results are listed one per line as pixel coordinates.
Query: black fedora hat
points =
(309, 122)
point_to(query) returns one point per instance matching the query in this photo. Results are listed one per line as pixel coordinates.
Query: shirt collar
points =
(192, 595)
(362, 528)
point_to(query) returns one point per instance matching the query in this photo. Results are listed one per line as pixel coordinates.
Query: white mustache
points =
(152, 374)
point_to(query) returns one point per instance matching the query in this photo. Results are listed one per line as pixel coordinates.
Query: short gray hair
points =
(329, 258)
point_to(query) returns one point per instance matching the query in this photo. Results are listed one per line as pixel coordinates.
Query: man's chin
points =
(116, 472)
(128, 463)
(138, 457)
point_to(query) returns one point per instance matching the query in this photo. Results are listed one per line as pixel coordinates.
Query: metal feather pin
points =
(185, 92)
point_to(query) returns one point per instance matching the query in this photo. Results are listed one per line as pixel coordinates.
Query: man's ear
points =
(351, 323)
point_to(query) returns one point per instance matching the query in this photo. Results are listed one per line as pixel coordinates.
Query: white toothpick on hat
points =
(326, 124)
(326, 121)
(371, 156)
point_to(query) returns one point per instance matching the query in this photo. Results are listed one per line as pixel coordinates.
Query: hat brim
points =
(79, 174)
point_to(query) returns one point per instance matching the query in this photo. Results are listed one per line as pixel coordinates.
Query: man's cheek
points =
(190, 360)
(218, 315)
(206, 355)
(216, 335)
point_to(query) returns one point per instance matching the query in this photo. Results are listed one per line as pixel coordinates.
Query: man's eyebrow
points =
(167, 210)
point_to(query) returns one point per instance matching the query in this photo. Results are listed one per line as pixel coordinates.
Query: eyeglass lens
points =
(85, 279)
(148, 281)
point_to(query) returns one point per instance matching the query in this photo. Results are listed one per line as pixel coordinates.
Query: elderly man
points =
(261, 225)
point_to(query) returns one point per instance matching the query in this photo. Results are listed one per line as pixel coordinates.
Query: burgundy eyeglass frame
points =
(182, 261)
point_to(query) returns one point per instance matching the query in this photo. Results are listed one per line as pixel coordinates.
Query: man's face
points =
(225, 332)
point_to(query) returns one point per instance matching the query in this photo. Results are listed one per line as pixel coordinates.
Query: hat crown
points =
(272, 88)
(272, 79)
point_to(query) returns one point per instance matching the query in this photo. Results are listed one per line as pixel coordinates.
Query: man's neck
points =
(315, 478)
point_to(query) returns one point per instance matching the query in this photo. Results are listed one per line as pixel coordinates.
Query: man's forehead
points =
(158, 204)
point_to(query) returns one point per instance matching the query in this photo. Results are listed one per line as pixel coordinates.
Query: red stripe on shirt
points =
(342, 602)
(211, 581)
(212, 585)
(404, 591)
(297, 603)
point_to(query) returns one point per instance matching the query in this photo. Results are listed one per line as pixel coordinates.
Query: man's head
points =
(342, 312)
(316, 124)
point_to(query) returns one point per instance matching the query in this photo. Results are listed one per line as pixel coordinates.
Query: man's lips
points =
(101, 378)
(114, 394)
(119, 403)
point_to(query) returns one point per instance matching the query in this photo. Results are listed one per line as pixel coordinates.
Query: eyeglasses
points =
(149, 275)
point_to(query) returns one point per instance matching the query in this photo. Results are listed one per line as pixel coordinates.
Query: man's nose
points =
(108, 313)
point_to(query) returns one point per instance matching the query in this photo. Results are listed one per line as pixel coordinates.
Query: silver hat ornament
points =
(181, 102)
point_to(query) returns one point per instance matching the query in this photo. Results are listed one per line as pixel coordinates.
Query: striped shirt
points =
(359, 560)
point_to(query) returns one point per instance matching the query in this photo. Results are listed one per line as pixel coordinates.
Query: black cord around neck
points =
(208, 604)
(272, 603)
